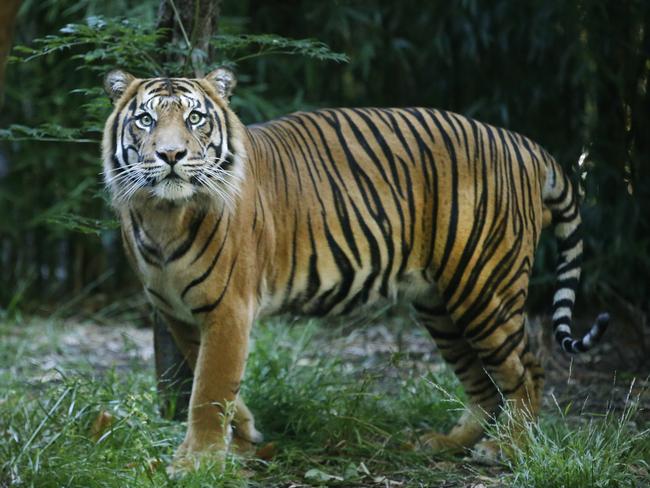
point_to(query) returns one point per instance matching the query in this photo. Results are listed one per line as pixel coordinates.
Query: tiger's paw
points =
(190, 456)
(488, 452)
(190, 462)
(440, 443)
(246, 441)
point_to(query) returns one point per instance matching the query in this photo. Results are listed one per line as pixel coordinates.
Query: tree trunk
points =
(8, 12)
(194, 21)
(174, 376)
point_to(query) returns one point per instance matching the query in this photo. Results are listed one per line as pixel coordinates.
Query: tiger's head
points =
(172, 139)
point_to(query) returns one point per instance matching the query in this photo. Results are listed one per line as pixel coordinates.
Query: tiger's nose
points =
(171, 156)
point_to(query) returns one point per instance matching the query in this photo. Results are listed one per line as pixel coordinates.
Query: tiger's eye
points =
(195, 117)
(145, 120)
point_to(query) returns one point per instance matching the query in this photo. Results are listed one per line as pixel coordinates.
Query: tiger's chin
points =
(175, 190)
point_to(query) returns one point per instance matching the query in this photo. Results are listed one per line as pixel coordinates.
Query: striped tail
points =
(561, 198)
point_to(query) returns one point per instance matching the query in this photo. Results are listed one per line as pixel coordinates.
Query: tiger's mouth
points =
(184, 181)
(173, 186)
(175, 174)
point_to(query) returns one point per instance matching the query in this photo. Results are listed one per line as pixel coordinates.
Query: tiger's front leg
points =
(217, 376)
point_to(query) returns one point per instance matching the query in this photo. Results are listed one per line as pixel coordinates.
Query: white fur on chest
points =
(163, 276)
(164, 287)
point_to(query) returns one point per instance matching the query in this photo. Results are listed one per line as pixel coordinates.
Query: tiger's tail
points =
(561, 198)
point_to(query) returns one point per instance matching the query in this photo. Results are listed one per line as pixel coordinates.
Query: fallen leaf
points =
(267, 452)
(386, 482)
(318, 475)
(152, 465)
(407, 446)
(101, 424)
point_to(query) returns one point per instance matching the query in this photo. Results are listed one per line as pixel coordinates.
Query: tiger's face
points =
(171, 138)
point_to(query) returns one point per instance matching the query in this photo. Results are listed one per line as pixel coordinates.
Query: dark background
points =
(572, 75)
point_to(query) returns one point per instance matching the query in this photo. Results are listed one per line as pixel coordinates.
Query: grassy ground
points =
(78, 408)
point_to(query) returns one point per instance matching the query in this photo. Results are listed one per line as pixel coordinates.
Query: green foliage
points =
(136, 46)
(78, 223)
(571, 75)
(45, 133)
(121, 42)
(267, 44)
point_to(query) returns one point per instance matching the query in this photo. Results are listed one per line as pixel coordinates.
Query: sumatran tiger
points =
(322, 213)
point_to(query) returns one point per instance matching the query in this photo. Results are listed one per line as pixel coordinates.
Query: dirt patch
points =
(101, 347)
(591, 383)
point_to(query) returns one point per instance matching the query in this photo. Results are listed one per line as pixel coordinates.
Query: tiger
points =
(328, 212)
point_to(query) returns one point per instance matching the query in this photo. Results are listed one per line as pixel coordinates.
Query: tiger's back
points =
(387, 203)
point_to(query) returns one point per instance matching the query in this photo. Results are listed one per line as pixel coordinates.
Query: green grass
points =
(601, 451)
(333, 422)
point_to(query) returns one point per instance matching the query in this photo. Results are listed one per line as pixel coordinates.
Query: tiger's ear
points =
(224, 81)
(116, 83)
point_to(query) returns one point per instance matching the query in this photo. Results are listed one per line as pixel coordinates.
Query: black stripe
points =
(207, 272)
(208, 239)
(228, 160)
(443, 335)
(431, 310)
(294, 250)
(498, 355)
(570, 241)
(564, 302)
(570, 283)
(453, 211)
(553, 202)
(386, 150)
(566, 266)
(520, 382)
(313, 277)
(211, 306)
(159, 297)
(151, 254)
(563, 218)
(193, 231)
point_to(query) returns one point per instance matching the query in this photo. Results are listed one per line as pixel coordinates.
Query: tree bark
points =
(174, 375)
(194, 21)
(8, 12)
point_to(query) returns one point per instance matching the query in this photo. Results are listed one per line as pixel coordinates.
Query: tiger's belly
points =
(353, 295)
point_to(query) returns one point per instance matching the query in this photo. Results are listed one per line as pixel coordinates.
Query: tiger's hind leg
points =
(483, 398)
(503, 348)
